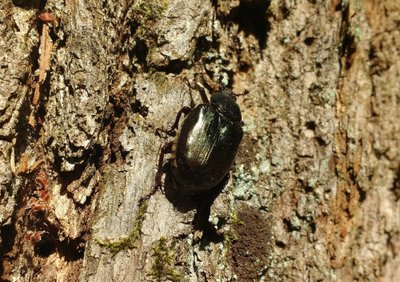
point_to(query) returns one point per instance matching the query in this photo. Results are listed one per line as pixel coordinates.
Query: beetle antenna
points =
(244, 93)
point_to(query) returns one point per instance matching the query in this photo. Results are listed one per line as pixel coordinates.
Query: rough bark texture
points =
(314, 194)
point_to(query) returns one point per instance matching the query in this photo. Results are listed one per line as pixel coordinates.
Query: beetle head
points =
(225, 103)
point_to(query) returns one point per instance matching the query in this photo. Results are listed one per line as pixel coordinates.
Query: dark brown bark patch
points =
(251, 244)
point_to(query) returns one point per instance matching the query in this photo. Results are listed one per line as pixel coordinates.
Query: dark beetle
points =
(206, 144)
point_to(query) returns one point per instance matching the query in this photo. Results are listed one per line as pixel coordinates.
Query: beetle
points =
(206, 144)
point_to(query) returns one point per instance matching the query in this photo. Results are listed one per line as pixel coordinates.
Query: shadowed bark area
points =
(314, 194)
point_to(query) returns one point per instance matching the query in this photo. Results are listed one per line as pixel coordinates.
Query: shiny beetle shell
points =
(207, 143)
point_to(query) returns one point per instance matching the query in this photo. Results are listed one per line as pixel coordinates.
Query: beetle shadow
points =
(200, 201)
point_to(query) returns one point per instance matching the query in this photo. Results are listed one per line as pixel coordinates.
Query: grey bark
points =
(314, 194)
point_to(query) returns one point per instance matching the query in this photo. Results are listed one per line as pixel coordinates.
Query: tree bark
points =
(314, 194)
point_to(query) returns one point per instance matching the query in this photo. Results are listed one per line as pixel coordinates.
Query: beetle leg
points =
(207, 80)
(200, 88)
(185, 110)
(172, 131)
(166, 149)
